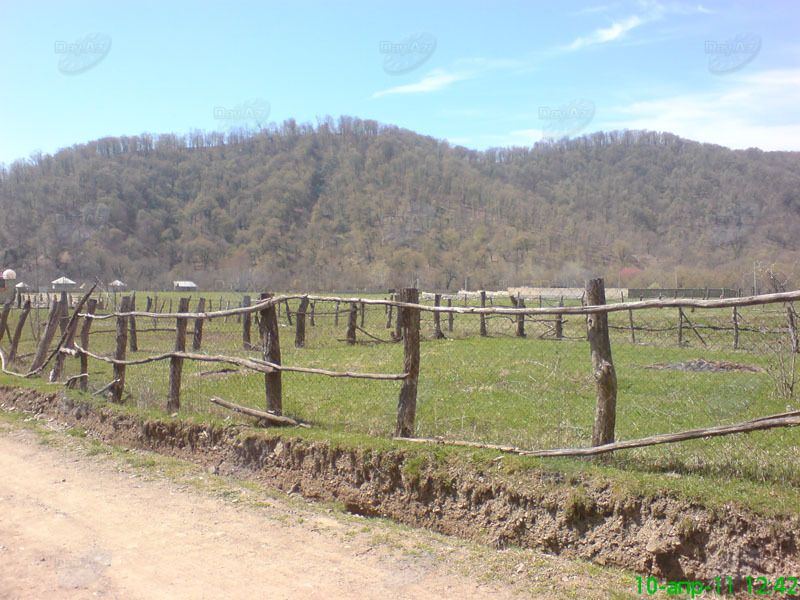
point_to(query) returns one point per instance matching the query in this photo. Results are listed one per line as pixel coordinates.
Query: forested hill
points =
(351, 204)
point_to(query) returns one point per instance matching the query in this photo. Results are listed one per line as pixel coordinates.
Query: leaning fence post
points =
(483, 317)
(176, 362)
(119, 353)
(246, 325)
(272, 353)
(64, 319)
(352, 321)
(87, 324)
(4, 318)
(437, 323)
(26, 309)
(197, 337)
(407, 401)
(602, 364)
(300, 330)
(49, 333)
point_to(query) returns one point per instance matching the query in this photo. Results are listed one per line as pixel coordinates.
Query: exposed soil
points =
(669, 537)
(701, 365)
(74, 528)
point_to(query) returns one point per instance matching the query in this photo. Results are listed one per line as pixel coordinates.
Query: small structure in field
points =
(23, 287)
(184, 286)
(117, 285)
(7, 289)
(62, 284)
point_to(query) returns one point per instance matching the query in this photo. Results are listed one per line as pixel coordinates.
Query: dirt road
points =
(75, 526)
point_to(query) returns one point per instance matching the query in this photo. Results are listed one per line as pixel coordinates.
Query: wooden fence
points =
(408, 311)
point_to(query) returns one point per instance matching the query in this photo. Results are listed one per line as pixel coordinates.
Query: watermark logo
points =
(247, 115)
(83, 54)
(732, 54)
(566, 120)
(407, 54)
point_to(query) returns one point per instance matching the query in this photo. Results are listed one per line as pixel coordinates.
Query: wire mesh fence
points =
(502, 378)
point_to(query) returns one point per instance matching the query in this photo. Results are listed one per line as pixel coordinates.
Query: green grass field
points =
(533, 393)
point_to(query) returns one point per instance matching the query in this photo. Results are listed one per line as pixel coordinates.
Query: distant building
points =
(117, 285)
(62, 284)
(23, 287)
(184, 286)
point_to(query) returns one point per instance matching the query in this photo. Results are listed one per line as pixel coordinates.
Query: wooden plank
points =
(49, 333)
(352, 321)
(134, 338)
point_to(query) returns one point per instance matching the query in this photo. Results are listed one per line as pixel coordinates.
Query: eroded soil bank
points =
(669, 537)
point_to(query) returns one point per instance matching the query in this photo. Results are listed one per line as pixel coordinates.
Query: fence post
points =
(119, 353)
(26, 309)
(4, 318)
(49, 333)
(521, 317)
(132, 323)
(336, 315)
(288, 313)
(407, 401)
(64, 316)
(87, 324)
(602, 365)
(246, 325)
(560, 321)
(197, 337)
(735, 329)
(389, 317)
(792, 329)
(483, 317)
(69, 342)
(272, 353)
(680, 326)
(633, 329)
(311, 320)
(351, 323)
(450, 316)
(398, 321)
(300, 331)
(176, 362)
(437, 323)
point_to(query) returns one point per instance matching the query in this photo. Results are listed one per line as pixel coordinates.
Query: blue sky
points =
(479, 74)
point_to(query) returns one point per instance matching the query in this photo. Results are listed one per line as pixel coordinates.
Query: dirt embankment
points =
(664, 536)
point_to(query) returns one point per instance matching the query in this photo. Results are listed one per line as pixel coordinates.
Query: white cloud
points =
(749, 110)
(606, 34)
(434, 81)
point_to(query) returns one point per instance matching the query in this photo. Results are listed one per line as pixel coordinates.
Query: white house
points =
(184, 286)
